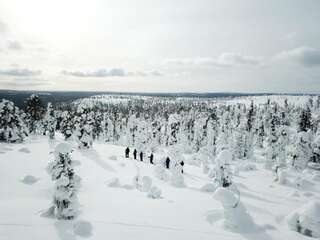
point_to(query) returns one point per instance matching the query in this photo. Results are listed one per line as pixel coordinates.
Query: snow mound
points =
(29, 179)
(146, 183)
(306, 220)
(113, 158)
(208, 187)
(113, 182)
(177, 179)
(63, 148)
(302, 183)
(236, 217)
(316, 177)
(154, 192)
(160, 173)
(82, 228)
(247, 167)
(24, 150)
(282, 177)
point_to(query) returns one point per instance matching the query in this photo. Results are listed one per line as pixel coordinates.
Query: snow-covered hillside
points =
(121, 211)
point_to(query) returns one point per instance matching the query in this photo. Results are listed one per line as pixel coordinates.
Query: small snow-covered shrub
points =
(236, 217)
(82, 228)
(282, 176)
(154, 192)
(306, 220)
(29, 179)
(177, 179)
(161, 173)
(146, 183)
(208, 187)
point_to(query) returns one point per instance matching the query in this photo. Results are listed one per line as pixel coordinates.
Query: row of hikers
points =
(135, 152)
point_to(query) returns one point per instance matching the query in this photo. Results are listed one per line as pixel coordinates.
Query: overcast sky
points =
(160, 45)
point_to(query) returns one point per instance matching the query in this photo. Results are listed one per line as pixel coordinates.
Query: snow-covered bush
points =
(154, 192)
(160, 172)
(306, 220)
(66, 183)
(146, 183)
(176, 178)
(12, 127)
(236, 217)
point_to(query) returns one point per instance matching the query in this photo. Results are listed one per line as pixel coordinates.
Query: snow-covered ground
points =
(120, 211)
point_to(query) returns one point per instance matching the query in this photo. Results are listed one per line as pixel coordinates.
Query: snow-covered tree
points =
(12, 127)
(302, 150)
(51, 121)
(66, 183)
(66, 125)
(34, 113)
(222, 170)
(84, 123)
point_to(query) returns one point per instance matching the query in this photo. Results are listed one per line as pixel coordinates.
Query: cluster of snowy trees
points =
(287, 133)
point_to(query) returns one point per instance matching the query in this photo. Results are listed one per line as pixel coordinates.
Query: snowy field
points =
(120, 211)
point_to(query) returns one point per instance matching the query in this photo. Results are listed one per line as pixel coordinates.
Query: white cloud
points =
(19, 72)
(224, 60)
(113, 72)
(306, 56)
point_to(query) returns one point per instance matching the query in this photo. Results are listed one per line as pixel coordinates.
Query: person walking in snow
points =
(151, 158)
(182, 164)
(141, 156)
(127, 151)
(167, 162)
(135, 154)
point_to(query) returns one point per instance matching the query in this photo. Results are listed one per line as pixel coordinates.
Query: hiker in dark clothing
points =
(135, 154)
(151, 158)
(141, 156)
(182, 164)
(127, 152)
(167, 162)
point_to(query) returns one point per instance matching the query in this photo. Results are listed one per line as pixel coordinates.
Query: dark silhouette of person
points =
(167, 162)
(151, 158)
(182, 164)
(141, 156)
(135, 154)
(127, 152)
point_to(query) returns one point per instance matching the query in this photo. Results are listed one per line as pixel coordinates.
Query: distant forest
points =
(56, 97)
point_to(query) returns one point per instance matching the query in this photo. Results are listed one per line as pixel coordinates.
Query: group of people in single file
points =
(151, 157)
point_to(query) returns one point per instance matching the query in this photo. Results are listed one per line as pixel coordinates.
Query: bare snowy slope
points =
(123, 212)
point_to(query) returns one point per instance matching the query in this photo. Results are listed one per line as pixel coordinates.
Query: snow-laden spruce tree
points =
(34, 110)
(66, 125)
(173, 129)
(222, 170)
(12, 127)
(108, 128)
(272, 151)
(84, 123)
(67, 183)
(302, 150)
(51, 121)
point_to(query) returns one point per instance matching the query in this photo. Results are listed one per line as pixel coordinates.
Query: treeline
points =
(286, 132)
